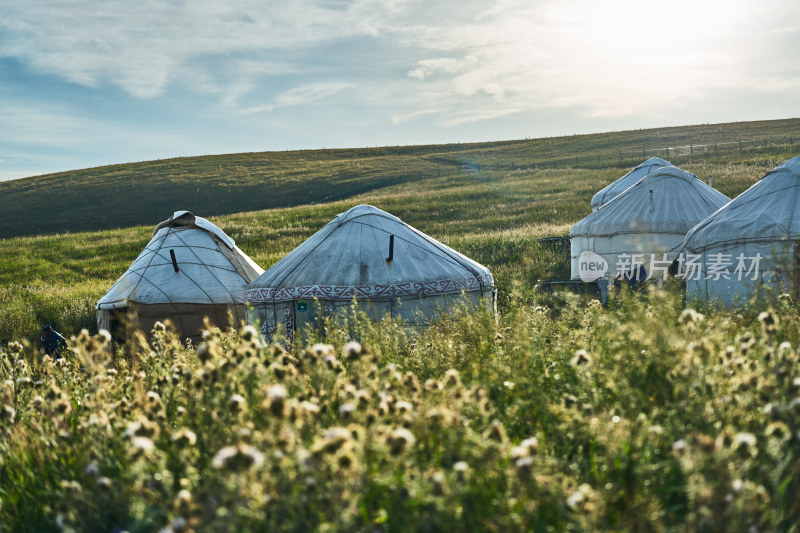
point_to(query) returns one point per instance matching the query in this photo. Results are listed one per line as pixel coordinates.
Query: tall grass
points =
(561, 416)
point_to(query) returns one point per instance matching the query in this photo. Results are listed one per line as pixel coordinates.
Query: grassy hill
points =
(125, 195)
(492, 213)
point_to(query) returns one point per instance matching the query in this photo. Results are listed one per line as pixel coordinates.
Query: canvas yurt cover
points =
(649, 219)
(372, 256)
(613, 190)
(752, 242)
(190, 269)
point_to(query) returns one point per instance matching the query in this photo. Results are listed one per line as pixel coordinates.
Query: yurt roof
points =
(669, 200)
(616, 188)
(348, 257)
(211, 268)
(767, 211)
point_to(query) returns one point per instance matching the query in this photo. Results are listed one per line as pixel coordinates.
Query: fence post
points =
(691, 149)
(716, 148)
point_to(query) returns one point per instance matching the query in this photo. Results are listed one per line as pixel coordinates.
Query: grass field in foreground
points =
(639, 417)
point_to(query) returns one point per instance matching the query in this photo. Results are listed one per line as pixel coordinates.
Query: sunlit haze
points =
(89, 83)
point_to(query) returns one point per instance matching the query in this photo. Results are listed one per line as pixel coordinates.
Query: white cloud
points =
(309, 93)
(142, 45)
(402, 119)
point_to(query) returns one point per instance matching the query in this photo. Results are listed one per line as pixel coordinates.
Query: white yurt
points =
(645, 222)
(367, 254)
(613, 190)
(189, 270)
(752, 242)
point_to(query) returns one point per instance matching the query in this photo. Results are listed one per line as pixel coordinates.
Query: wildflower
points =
(461, 468)
(141, 446)
(249, 333)
(53, 392)
(346, 460)
(569, 400)
(689, 317)
(768, 321)
(142, 428)
(438, 483)
(433, 385)
(452, 379)
(524, 465)
(276, 399)
(184, 437)
(525, 448)
(8, 413)
(24, 382)
(745, 444)
(403, 407)
(508, 384)
(333, 439)
(309, 407)
(92, 469)
(347, 409)
(236, 403)
(580, 496)
(352, 350)
(159, 326)
(777, 430)
(399, 440)
(321, 350)
(183, 501)
(410, 381)
(178, 525)
(439, 415)
(496, 432)
(238, 458)
(15, 348)
(581, 358)
(62, 406)
(103, 483)
(203, 352)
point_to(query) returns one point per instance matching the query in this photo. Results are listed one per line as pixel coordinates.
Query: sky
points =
(85, 83)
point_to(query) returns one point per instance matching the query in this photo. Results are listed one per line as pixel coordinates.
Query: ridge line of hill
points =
(130, 194)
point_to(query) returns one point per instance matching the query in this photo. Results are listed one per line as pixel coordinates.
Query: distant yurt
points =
(613, 190)
(365, 253)
(189, 270)
(645, 222)
(752, 242)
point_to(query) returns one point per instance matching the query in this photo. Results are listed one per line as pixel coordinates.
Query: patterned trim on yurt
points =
(399, 290)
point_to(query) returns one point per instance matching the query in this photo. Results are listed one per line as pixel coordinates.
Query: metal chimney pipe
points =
(391, 249)
(174, 261)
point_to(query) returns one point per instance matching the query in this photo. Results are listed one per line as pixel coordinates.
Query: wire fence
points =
(626, 157)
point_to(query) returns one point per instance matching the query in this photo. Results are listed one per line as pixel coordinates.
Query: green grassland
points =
(556, 415)
(125, 195)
